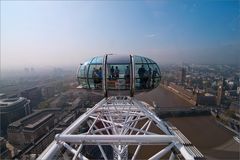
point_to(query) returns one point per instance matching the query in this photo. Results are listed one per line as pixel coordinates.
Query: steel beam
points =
(109, 139)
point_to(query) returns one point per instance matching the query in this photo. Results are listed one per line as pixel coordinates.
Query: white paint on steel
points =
(118, 122)
(108, 139)
(162, 152)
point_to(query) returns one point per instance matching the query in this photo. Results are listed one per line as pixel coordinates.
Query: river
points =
(213, 140)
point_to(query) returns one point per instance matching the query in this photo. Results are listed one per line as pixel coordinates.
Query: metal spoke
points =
(115, 121)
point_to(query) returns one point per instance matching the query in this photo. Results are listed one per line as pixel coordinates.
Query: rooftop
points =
(34, 117)
(38, 122)
(6, 102)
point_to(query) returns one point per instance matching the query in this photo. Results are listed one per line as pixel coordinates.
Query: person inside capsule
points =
(127, 77)
(97, 77)
(141, 72)
(121, 73)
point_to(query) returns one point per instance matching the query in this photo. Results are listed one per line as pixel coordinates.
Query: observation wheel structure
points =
(119, 126)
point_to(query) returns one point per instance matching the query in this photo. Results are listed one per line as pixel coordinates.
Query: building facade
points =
(34, 95)
(12, 109)
(30, 129)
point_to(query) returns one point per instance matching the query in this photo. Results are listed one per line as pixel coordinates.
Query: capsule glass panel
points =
(147, 73)
(118, 72)
(122, 73)
(90, 74)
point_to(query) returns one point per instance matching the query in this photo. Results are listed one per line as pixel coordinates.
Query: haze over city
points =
(60, 33)
(120, 80)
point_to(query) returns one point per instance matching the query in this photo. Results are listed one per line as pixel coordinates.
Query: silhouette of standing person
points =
(149, 75)
(127, 77)
(95, 77)
(141, 72)
(112, 72)
(100, 77)
(116, 72)
(154, 75)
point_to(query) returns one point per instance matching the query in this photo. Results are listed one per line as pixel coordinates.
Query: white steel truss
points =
(114, 124)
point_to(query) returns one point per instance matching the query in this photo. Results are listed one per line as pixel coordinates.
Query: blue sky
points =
(65, 33)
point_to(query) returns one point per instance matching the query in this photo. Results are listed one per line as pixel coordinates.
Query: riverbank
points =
(213, 140)
(163, 98)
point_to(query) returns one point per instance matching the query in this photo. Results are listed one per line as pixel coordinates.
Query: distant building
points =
(238, 90)
(59, 102)
(30, 129)
(4, 152)
(48, 92)
(67, 121)
(206, 99)
(33, 94)
(219, 95)
(235, 106)
(183, 75)
(12, 109)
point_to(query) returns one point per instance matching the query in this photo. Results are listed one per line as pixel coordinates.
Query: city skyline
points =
(61, 33)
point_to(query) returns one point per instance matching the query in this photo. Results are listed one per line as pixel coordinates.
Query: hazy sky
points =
(65, 33)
